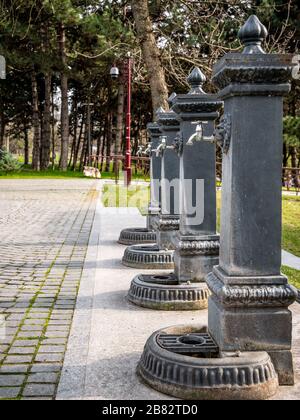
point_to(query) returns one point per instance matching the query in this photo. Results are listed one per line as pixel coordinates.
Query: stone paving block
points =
(11, 380)
(35, 390)
(63, 328)
(14, 324)
(49, 378)
(21, 305)
(41, 300)
(6, 304)
(46, 367)
(33, 321)
(16, 317)
(56, 334)
(65, 302)
(41, 311)
(26, 343)
(6, 393)
(40, 316)
(51, 349)
(55, 322)
(63, 307)
(11, 331)
(33, 328)
(22, 350)
(62, 316)
(14, 368)
(54, 341)
(42, 305)
(16, 311)
(49, 357)
(18, 359)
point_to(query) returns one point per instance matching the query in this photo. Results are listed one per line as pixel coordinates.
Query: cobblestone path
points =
(44, 232)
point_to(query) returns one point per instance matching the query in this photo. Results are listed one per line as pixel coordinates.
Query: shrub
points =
(8, 163)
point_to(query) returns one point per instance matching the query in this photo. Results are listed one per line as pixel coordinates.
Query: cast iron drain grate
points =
(189, 344)
(167, 279)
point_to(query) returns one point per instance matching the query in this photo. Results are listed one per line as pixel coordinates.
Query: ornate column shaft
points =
(159, 255)
(168, 223)
(198, 246)
(134, 236)
(155, 175)
(248, 309)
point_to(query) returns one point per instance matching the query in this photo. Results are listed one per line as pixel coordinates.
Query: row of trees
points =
(59, 53)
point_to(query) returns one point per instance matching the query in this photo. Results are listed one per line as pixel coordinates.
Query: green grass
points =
(27, 173)
(30, 174)
(291, 224)
(120, 196)
(293, 276)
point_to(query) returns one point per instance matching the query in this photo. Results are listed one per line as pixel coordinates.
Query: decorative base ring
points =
(148, 257)
(248, 376)
(163, 292)
(137, 236)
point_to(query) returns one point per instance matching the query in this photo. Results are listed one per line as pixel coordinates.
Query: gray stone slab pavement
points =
(44, 232)
(108, 333)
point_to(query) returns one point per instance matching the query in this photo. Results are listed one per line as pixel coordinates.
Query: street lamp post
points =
(3, 77)
(128, 77)
(128, 168)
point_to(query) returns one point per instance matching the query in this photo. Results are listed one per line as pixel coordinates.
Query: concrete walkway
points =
(108, 333)
(290, 260)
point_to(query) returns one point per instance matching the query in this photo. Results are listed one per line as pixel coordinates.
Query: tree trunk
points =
(75, 126)
(84, 149)
(76, 153)
(99, 140)
(26, 146)
(35, 124)
(294, 163)
(53, 132)
(64, 102)
(46, 130)
(2, 130)
(109, 142)
(285, 162)
(151, 54)
(89, 134)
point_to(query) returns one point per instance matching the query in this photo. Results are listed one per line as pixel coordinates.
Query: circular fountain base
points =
(137, 236)
(163, 292)
(181, 362)
(148, 257)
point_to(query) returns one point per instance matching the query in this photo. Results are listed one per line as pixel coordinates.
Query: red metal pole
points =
(128, 169)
